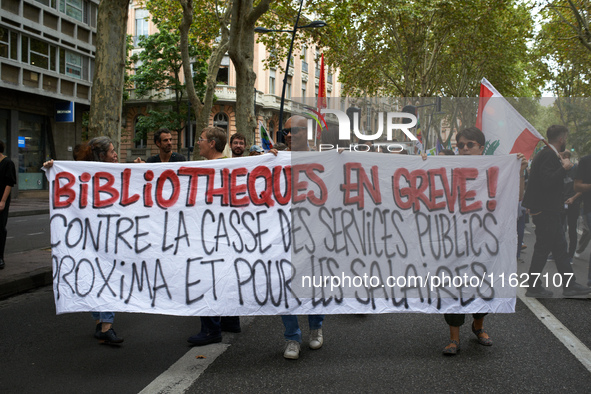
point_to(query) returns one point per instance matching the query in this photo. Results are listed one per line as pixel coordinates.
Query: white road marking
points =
(42, 232)
(182, 374)
(564, 335)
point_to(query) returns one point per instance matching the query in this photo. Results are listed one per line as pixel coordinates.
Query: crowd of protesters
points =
(557, 192)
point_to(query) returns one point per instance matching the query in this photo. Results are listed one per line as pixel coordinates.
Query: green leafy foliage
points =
(158, 76)
(426, 48)
(563, 46)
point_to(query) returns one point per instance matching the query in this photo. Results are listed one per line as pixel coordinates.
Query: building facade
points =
(47, 52)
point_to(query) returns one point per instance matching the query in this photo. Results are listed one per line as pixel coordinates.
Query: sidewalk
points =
(25, 271)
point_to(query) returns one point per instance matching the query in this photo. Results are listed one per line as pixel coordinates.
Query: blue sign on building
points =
(64, 112)
(21, 142)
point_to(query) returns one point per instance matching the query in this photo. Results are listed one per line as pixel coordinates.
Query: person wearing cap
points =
(256, 150)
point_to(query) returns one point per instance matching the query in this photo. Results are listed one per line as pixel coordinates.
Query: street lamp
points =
(263, 30)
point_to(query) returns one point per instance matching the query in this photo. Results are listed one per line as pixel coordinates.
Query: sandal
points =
(452, 350)
(481, 340)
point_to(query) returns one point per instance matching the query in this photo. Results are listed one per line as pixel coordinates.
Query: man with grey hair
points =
(211, 146)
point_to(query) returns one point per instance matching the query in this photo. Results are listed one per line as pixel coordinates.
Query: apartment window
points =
(141, 24)
(288, 88)
(38, 53)
(303, 54)
(303, 89)
(73, 65)
(143, 142)
(49, 3)
(73, 8)
(221, 120)
(8, 44)
(223, 76)
(271, 81)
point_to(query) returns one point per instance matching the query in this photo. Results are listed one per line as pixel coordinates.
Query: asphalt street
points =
(42, 352)
(27, 233)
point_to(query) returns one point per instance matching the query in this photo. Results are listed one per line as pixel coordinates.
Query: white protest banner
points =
(309, 233)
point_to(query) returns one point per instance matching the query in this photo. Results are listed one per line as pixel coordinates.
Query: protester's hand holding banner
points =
(306, 233)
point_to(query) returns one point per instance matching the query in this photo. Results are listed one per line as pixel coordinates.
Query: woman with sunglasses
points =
(469, 141)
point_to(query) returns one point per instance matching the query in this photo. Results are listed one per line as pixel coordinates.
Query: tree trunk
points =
(202, 110)
(241, 51)
(108, 81)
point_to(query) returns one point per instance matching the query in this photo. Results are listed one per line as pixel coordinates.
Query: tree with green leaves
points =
(212, 21)
(158, 72)
(563, 47)
(433, 47)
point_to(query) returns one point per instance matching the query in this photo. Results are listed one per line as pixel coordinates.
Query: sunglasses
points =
(292, 130)
(470, 145)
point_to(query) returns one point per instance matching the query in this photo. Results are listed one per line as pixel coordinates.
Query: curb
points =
(25, 282)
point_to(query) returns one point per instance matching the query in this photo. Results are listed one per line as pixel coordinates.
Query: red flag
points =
(321, 101)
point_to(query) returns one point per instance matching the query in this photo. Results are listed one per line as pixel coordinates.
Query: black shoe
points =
(109, 337)
(204, 338)
(538, 292)
(576, 290)
(97, 330)
(2, 264)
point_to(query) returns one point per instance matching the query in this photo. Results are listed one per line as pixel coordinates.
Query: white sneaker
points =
(316, 339)
(577, 255)
(292, 350)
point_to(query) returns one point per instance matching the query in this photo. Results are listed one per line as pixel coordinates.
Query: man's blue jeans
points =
(292, 328)
(104, 317)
